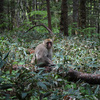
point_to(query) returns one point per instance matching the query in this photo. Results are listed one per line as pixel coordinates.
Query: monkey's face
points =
(49, 45)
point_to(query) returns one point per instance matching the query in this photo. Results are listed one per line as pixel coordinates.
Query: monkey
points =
(43, 54)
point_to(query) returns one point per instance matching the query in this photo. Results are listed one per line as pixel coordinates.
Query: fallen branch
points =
(89, 78)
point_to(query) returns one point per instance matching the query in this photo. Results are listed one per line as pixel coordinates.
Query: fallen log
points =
(89, 78)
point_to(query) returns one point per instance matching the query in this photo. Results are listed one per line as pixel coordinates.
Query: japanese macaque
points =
(43, 54)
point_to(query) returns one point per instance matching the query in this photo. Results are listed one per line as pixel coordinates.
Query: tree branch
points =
(40, 25)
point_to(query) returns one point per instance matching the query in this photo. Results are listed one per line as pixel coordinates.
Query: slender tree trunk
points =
(29, 9)
(36, 4)
(33, 4)
(64, 18)
(98, 30)
(49, 14)
(12, 13)
(82, 14)
(75, 15)
(8, 15)
(1, 15)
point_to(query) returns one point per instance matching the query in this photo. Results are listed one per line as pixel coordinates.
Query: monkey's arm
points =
(44, 61)
(48, 61)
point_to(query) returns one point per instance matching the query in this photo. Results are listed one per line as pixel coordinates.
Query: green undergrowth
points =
(76, 52)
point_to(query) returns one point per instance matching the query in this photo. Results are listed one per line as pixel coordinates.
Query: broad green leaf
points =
(1, 80)
(42, 85)
(24, 95)
(1, 63)
(97, 89)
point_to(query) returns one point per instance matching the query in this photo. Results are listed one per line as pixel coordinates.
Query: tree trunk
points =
(75, 15)
(82, 14)
(1, 15)
(98, 30)
(8, 15)
(12, 13)
(49, 14)
(64, 18)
